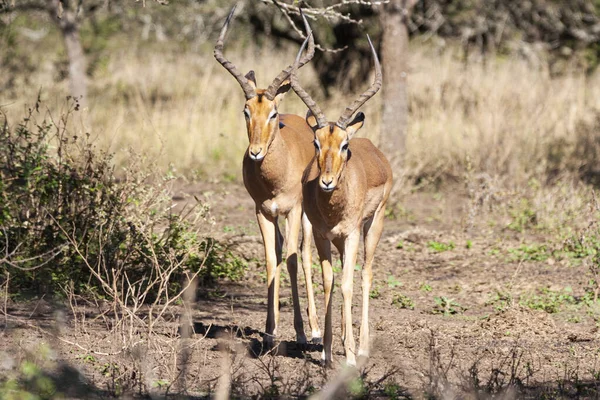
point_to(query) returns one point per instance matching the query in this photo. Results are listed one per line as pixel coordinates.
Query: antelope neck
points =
(332, 203)
(275, 161)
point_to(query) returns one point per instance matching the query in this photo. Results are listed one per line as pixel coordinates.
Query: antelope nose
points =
(255, 153)
(326, 183)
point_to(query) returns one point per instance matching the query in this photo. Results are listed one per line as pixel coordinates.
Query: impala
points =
(345, 189)
(280, 147)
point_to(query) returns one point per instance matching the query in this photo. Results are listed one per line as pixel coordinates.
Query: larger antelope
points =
(345, 189)
(280, 148)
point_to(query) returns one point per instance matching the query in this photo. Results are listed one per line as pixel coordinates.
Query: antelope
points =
(345, 190)
(280, 147)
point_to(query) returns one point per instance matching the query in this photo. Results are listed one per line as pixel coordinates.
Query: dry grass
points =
(505, 118)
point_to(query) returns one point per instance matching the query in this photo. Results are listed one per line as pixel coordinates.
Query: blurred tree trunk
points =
(394, 54)
(65, 14)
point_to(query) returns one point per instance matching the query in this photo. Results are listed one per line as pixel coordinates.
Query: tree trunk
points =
(64, 13)
(394, 54)
(77, 65)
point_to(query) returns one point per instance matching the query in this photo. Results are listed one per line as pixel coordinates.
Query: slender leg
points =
(350, 250)
(269, 231)
(277, 279)
(307, 267)
(372, 233)
(292, 231)
(339, 245)
(324, 249)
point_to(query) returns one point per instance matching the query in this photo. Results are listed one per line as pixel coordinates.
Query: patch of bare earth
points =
(464, 333)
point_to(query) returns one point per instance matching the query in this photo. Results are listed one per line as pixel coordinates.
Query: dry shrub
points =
(107, 249)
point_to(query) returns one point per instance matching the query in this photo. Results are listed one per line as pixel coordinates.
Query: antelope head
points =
(332, 139)
(261, 107)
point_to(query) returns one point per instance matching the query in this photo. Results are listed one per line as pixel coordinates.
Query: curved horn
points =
(370, 92)
(246, 87)
(283, 75)
(310, 103)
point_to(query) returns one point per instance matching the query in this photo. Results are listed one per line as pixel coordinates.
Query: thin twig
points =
(286, 14)
(31, 325)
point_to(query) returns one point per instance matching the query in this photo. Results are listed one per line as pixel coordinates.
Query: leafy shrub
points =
(67, 220)
(523, 215)
(446, 306)
(548, 300)
(532, 252)
(440, 247)
(403, 301)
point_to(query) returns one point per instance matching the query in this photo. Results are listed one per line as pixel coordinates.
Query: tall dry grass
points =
(503, 117)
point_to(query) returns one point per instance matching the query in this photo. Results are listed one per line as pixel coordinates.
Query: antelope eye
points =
(246, 113)
(345, 147)
(316, 145)
(274, 115)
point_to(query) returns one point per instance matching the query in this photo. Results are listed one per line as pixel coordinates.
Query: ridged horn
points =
(310, 103)
(249, 91)
(366, 95)
(285, 74)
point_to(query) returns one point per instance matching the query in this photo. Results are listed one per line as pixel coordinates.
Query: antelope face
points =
(332, 149)
(262, 118)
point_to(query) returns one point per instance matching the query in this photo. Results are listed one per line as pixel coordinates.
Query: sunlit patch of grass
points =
(181, 107)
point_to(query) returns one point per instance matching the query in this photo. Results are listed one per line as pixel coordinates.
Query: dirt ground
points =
(457, 311)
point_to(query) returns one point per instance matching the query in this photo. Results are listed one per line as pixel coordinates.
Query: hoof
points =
(301, 340)
(326, 363)
(268, 341)
(363, 354)
(351, 362)
(316, 340)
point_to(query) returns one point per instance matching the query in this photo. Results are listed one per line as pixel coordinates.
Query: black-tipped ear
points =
(251, 78)
(360, 117)
(282, 90)
(355, 124)
(311, 120)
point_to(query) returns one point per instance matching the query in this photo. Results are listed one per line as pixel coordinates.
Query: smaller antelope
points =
(280, 148)
(345, 189)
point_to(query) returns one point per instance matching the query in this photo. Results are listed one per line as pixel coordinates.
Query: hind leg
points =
(372, 233)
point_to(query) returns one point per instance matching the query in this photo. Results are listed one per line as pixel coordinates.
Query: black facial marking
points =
(330, 128)
(260, 96)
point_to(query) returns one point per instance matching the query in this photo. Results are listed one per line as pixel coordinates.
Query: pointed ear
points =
(251, 79)
(355, 125)
(283, 89)
(311, 120)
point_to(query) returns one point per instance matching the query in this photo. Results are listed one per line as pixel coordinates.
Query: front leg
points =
(324, 249)
(270, 234)
(307, 235)
(292, 231)
(349, 261)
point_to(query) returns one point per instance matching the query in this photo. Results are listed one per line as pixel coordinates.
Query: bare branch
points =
(9, 256)
(286, 13)
(330, 12)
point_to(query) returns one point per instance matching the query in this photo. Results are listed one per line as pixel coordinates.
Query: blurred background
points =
(502, 88)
